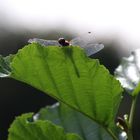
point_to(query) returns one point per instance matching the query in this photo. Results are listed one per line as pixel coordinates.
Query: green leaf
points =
(136, 91)
(68, 75)
(5, 69)
(72, 122)
(23, 129)
(128, 73)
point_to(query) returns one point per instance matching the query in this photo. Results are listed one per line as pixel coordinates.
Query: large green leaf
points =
(73, 122)
(68, 75)
(23, 129)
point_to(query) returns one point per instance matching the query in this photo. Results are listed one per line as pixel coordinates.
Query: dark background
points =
(17, 98)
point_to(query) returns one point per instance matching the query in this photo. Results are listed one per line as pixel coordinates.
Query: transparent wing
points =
(44, 42)
(88, 43)
(83, 40)
(93, 48)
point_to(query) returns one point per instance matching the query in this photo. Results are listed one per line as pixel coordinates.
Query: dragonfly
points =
(86, 42)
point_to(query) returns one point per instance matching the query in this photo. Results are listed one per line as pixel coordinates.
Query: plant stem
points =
(131, 118)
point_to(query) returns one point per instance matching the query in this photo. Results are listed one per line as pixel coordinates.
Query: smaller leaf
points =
(5, 69)
(128, 72)
(73, 122)
(23, 129)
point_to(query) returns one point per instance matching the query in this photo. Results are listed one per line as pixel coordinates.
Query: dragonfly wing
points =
(83, 40)
(88, 43)
(78, 41)
(44, 42)
(93, 48)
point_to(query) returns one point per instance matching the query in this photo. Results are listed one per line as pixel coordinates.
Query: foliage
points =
(89, 95)
(22, 129)
(128, 72)
(72, 121)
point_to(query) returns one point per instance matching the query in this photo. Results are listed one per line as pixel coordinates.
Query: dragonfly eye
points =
(63, 42)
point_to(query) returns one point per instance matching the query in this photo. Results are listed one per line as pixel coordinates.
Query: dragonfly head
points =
(63, 42)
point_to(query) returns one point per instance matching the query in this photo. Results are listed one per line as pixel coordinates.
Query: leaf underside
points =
(72, 122)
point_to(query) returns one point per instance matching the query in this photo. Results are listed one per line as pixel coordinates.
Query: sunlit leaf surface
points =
(128, 72)
(68, 75)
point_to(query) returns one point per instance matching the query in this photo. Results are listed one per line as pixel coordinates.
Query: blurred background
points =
(114, 23)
